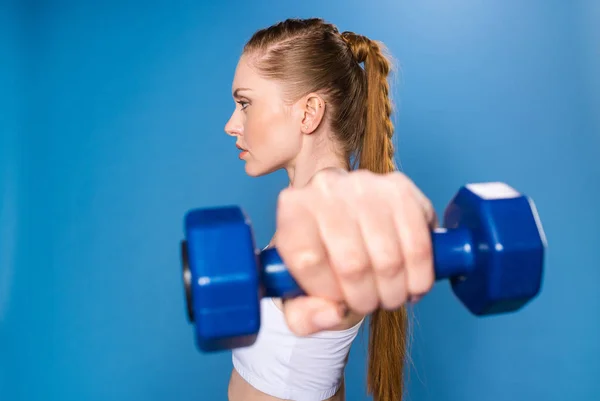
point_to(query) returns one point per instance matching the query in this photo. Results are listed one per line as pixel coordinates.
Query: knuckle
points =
(387, 265)
(421, 276)
(289, 204)
(320, 179)
(428, 206)
(286, 197)
(361, 180)
(283, 201)
(419, 286)
(402, 186)
(352, 267)
(430, 213)
(364, 305)
(358, 192)
(394, 294)
(399, 178)
(387, 257)
(363, 173)
(404, 189)
(419, 253)
(324, 179)
(305, 260)
(294, 320)
(393, 303)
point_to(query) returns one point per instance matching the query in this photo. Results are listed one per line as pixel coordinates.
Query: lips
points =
(243, 152)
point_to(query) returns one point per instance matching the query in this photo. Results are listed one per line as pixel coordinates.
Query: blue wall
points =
(112, 127)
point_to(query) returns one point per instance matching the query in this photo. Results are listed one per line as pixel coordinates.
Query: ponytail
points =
(387, 336)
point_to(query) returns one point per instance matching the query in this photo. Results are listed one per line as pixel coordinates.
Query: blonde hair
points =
(311, 55)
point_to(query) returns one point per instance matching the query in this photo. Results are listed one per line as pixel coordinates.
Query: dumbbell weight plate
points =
(187, 280)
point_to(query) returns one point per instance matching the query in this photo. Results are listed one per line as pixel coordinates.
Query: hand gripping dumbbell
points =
(491, 249)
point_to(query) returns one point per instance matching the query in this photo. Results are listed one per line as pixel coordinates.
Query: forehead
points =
(246, 76)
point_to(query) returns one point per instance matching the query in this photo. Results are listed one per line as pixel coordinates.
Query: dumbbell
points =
(491, 250)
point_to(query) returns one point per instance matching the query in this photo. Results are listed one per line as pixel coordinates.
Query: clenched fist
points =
(357, 239)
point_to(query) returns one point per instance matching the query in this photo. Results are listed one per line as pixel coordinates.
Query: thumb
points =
(307, 315)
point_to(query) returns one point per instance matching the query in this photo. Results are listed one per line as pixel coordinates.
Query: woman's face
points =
(267, 130)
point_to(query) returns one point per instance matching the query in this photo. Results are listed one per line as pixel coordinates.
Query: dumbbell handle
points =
(453, 256)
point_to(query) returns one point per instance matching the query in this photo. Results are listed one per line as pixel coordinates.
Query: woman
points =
(358, 242)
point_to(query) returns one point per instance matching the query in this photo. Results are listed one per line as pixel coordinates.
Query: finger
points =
(301, 248)
(307, 315)
(415, 238)
(347, 253)
(426, 205)
(385, 252)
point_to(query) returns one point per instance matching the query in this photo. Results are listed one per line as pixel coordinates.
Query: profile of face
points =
(268, 129)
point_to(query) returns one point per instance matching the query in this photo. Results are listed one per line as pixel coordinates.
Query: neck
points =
(304, 169)
(309, 162)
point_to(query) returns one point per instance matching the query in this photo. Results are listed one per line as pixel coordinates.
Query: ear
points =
(313, 111)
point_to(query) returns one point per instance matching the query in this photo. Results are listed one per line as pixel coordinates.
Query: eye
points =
(243, 104)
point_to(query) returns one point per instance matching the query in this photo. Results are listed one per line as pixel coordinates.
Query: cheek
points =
(267, 131)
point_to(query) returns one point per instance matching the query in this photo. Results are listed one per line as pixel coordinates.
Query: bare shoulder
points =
(349, 321)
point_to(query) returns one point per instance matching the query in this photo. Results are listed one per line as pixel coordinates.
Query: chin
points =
(256, 170)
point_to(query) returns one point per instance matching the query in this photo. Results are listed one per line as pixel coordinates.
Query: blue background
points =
(111, 124)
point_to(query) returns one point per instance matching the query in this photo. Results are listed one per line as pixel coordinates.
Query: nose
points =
(233, 126)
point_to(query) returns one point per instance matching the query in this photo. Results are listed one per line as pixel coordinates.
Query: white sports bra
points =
(290, 367)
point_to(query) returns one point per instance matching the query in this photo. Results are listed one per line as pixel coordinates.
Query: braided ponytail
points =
(376, 150)
(387, 341)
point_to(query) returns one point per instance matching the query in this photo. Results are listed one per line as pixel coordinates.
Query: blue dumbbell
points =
(491, 250)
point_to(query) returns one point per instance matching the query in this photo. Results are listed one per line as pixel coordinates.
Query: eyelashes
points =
(243, 104)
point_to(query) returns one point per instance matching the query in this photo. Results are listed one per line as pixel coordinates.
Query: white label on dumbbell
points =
(493, 190)
(275, 268)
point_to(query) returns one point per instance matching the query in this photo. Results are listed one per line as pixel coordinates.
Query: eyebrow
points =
(236, 93)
